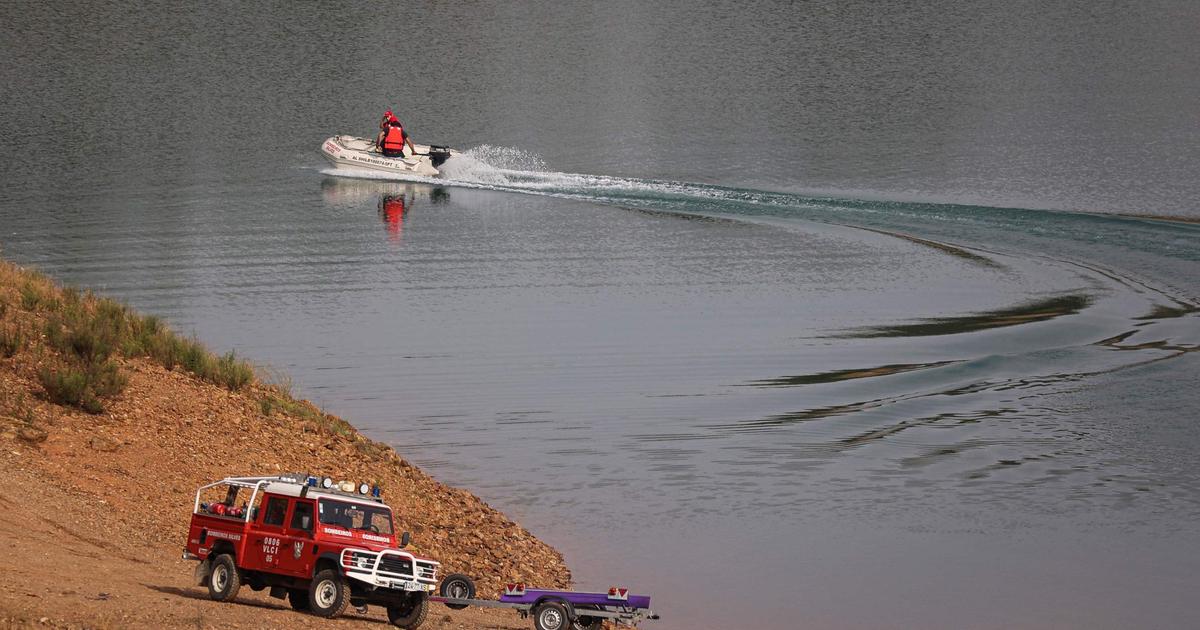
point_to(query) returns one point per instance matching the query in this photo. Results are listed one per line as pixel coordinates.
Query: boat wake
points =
(981, 235)
(983, 394)
(510, 169)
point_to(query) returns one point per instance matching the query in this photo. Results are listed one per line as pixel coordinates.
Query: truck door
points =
(267, 536)
(296, 554)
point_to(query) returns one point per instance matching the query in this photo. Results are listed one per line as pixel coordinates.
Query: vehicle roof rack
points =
(312, 482)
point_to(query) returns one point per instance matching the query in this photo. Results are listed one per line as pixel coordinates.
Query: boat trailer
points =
(551, 609)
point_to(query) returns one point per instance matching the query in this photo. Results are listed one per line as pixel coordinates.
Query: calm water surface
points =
(821, 315)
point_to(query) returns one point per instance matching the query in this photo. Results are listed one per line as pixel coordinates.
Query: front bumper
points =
(390, 569)
(394, 583)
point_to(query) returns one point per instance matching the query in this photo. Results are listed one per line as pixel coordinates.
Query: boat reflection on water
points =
(391, 210)
(393, 200)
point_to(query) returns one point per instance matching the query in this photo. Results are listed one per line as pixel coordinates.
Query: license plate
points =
(408, 586)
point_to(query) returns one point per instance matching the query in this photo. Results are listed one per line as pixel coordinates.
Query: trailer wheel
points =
(328, 594)
(411, 614)
(585, 622)
(457, 586)
(298, 598)
(224, 580)
(551, 616)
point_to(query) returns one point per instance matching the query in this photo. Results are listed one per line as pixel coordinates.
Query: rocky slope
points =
(94, 506)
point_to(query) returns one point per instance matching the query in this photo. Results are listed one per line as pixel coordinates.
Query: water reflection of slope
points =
(1029, 312)
(845, 375)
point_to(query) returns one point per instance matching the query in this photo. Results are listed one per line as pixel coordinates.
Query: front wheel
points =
(410, 614)
(457, 586)
(551, 616)
(224, 580)
(328, 595)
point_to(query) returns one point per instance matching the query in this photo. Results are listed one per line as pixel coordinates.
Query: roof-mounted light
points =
(327, 483)
(364, 488)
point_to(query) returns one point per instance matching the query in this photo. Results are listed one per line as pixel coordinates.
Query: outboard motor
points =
(438, 155)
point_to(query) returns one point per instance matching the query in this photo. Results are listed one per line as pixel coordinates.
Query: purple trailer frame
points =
(621, 607)
(577, 598)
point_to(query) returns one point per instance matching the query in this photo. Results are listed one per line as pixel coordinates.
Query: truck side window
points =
(276, 509)
(302, 516)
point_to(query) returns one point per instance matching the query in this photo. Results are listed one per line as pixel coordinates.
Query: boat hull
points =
(358, 154)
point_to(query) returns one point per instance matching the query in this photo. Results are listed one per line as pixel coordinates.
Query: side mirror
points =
(405, 538)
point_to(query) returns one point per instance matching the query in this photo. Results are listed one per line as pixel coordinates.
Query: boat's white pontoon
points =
(349, 152)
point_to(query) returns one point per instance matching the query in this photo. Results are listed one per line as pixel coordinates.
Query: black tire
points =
(551, 616)
(298, 598)
(585, 622)
(457, 586)
(328, 595)
(224, 579)
(411, 614)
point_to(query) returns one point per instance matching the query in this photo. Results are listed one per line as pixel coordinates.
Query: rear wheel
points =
(457, 586)
(298, 598)
(410, 614)
(224, 580)
(328, 594)
(551, 616)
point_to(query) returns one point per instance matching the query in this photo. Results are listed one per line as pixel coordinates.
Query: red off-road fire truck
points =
(320, 544)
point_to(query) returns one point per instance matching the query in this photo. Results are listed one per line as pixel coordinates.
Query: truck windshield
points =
(377, 520)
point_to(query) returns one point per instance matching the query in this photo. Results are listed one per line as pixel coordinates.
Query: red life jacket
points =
(393, 213)
(393, 138)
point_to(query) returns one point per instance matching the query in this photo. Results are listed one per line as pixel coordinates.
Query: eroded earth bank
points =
(108, 424)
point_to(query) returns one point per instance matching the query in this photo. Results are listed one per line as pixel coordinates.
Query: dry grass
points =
(78, 342)
(90, 334)
(12, 340)
(275, 401)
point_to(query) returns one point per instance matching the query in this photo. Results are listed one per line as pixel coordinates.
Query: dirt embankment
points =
(94, 506)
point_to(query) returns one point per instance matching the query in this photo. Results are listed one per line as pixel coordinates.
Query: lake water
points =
(818, 315)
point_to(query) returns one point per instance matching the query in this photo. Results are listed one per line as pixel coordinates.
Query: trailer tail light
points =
(618, 593)
(515, 589)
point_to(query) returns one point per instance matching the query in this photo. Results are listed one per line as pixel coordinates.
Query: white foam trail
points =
(493, 158)
(510, 169)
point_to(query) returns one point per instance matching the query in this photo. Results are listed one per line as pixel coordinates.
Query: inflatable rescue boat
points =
(351, 153)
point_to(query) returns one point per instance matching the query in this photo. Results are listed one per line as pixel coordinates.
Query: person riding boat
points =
(392, 137)
(388, 117)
